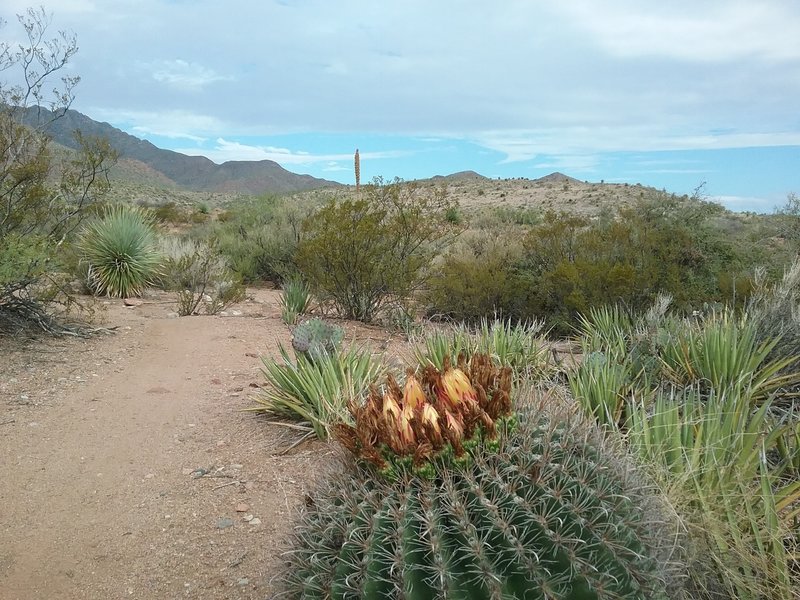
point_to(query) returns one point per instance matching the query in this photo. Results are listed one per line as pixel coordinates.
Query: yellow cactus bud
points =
(413, 394)
(407, 436)
(430, 417)
(391, 410)
(457, 388)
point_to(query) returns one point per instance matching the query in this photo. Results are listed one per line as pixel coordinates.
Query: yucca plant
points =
(295, 299)
(316, 391)
(710, 450)
(434, 346)
(121, 252)
(723, 353)
(521, 346)
(600, 385)
(606, 329)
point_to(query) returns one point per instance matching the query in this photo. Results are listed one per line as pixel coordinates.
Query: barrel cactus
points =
(509, 505)
(316, 336)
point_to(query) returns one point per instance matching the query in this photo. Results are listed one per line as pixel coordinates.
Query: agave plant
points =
(121, 252)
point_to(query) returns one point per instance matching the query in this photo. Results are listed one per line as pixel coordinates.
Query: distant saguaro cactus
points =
(358, 171)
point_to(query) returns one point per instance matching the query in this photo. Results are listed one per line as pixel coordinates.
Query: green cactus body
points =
(316, 336)
(549, 514)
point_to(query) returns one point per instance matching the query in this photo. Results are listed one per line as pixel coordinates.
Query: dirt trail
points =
(115, 454)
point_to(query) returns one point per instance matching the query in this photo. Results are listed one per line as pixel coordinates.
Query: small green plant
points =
(121, 251)
(600, 386)
(316, 337)
(316, 392)
(724, 354)
(200, 276)
(295, 299)
(709, 449)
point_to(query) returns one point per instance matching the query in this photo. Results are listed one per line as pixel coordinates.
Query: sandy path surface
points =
(124, 459)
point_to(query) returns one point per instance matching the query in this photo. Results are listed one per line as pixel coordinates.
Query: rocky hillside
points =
(142, 162)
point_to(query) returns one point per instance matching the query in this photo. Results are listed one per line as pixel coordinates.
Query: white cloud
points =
(578, 143)
(176, 124)
(226, 150)
(698, 32)
(182, 74)
(745, 203)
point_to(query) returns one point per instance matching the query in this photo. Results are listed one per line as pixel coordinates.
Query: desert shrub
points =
(365, 254)
(120, 250)
(199, 274)
(295, 299)
(259, 237)
(775, 312)
(475, 279)
(316, 391)
(43, 196)
(659, 245)
(169, 213)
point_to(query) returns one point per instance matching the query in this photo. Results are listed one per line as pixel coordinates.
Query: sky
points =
(668, 94)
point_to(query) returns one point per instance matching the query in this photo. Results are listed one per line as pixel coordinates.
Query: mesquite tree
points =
(43, 192)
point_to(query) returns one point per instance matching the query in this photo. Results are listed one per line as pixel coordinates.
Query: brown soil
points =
(127, 461)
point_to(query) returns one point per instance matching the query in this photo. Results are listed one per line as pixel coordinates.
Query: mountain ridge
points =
(196, 173)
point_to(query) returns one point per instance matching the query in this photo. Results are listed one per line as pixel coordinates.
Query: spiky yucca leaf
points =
(316, 391)
(121, 251)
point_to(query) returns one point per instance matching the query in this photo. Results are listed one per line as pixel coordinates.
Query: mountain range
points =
(173, 169)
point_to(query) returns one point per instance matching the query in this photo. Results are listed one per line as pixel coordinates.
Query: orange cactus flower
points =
(454, 425)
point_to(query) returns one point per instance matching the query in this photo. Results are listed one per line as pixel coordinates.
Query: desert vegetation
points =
(659, 460)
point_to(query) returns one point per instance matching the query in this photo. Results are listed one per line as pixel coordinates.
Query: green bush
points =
(121, 251)
(365, 254)
(200, 276)
(259, 237)
(476, 279)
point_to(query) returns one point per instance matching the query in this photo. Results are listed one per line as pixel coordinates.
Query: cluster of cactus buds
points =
(440, 409)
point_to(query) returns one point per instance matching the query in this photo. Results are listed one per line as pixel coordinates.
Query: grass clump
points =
(706, 404)
(121, 252)
(521, 346)
(295, 299)
(316, 391)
